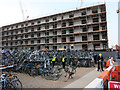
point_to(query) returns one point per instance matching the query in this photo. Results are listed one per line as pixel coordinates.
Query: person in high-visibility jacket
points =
(53, 60)
(63, 61)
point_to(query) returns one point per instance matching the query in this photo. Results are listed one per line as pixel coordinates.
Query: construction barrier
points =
(112, 73)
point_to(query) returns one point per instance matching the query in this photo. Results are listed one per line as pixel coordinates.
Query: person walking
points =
(53, 60)
(100, 62)
(63, 61)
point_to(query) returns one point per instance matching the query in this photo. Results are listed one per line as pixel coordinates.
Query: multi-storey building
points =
(84, 28)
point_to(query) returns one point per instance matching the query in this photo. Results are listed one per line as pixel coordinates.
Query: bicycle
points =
(10, 82)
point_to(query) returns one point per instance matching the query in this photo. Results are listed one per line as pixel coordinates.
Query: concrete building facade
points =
(84, 28)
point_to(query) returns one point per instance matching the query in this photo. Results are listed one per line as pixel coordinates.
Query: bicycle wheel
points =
(17, 84)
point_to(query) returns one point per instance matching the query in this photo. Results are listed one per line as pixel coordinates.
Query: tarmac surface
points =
(82, 78)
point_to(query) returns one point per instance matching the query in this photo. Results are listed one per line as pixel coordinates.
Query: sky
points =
(11, 11)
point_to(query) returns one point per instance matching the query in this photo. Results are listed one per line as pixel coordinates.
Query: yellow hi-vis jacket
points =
(53, 58)
(63, 59)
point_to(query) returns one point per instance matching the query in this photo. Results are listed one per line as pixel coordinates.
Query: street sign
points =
(112, 85)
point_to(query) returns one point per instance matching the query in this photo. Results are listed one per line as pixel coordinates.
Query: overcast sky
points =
(10, 11)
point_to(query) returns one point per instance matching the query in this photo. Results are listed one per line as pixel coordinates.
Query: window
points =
(46, 33)
(63, 24)
(96, 46)
(32, 23)
(71, 15)
(38, 41)
(103, 9)
(103, 17)
(84, 21)
(22, 25)
(26, 42)
(54, 40)
(26, 30)
(47, 26)
(38, 48)
(71, 30)
(6, 44)
(47, 47)
(38, 34)
(32, 42)
(16, 32)
(54, 47)
(38, 22)
(11, 32)
(95, 10)
(21, 31)
(16, 37)
(72, 47)
(104, 35)
(104, 46)
(63, 39)
(95, 27)
(7, 33)
(21, 42)
(46, 40)
(96, 37)
(26, 24)
(39, 28)
(84, 38)
(47, 20)
(11, 43)
(16, 26)
(32, 35)
(32, 29)
(54, 32)
(84, 29)
(63, 31)
(72, 39)
(71, 23)
(103, 26)
(55, 25)
(84, 46)
(26, 36)
(16, 43)
(96, 19)
(21, 36)
(83, 13)
(62, 17)
(32, 48)
(55, 18)
(12, 27)
(11, 38)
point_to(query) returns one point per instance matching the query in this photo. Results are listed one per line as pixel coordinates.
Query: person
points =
(95, 58)
(100, 62)
(53, 60)
(63, 61)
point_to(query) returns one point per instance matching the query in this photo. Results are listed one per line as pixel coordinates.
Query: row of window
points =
(71, 39)
(70, 23)
(84, 46)
(47, 34)
(84, 12)
(70, 30)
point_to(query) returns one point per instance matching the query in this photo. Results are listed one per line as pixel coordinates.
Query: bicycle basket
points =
(75, 60)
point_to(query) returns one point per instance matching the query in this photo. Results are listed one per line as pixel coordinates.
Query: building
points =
(84, 28)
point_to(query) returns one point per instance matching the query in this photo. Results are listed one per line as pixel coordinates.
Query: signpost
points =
(112, 85)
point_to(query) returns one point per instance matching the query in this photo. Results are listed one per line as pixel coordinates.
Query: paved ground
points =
(39, 82)
(85, 80)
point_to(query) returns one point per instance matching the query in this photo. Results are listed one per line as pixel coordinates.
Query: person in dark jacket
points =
(95, 58)
(100, 62)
